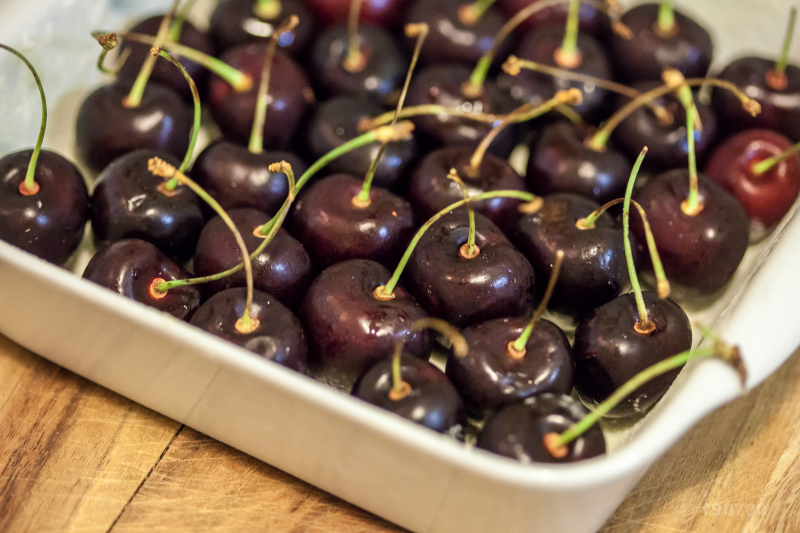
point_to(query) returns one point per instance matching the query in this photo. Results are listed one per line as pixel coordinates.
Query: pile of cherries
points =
(362, 166)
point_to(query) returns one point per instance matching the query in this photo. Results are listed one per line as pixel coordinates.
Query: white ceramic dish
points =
(411, 476)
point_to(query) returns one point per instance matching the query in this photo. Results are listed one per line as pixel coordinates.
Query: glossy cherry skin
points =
(278, 337)
(50, 223)
(383, 71)
(647, 55)
(766, 197)
(700, 253)
(283, 269)
(381, 12)
(609, 352)
(235, 22)
(518, 430)
(780, 108)
(591, 19)
(433, 401)
(498, 282)
(236, 177)
(441, 85)
(289, 90)
(165, 72)
(430, 190)
(129, 267)
(560, 161)
(488, 378)
(450, 38)
(106, 129)
(335, 122)
(349, 330)
(126, 203)
(594, 269)
(334, 230)
(666, 143)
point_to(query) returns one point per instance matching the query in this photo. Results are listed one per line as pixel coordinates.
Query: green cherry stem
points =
(691, 206)
(469, 250)
(109, 41)
(176, 28)
(355, 60)
(267, 9)
(469, 14)
(776, 78)
(665, 25)
(767, 164)
(568, 55)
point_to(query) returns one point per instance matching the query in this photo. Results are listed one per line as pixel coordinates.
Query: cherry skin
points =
(498, 282)
(594, 269)
(780, 107)
(130, 266)
(283, 269)
(646, 55)
(433, 401)
(381, 12)
(488, 378)
(289, 91)
(236, 177)
(333, 229)
(278, 336)
(107, 129)
(335, 122)
(560, 161)
(384, 67)
(430, 190)
(50, 223)
(609, 352)
(235, 22)
(766, 197)
(126, 203)
(700, 253)
(592, 21)
(350, 330)
(518, 430)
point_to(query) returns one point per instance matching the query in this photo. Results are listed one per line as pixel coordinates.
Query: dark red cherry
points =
(384, 67)
(498, 282)
(235, 22)
(278, 336)
(667, 143)
(560, 161)
(488, 378)
(236, 177)
(644, 57)
(283, 269)
(591, 19)
(700, 253)
(335, 122)
(441, 85)
(594, 269)
(433, 401)
(766, 197)
(609, 352)
(50, 223)
(130, 267)
(126, 203)
(333, 229)
(107, 129)
(518, 430)
(349, 330)
(164, 72)
(430, 190)
(780, 107)
(289, 91)
(382, 12)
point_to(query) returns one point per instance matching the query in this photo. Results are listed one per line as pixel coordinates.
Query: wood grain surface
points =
(76, 457)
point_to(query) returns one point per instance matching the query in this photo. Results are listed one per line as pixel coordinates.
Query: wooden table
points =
(77, 457)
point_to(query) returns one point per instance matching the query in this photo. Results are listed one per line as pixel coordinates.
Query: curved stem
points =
(644, 326)
(458, 343)
(355, 60)
(469, 250)
(779, 72)
(666, 18)
(767, 164)
(516, 348)
(109, 41)
(568, 56)
(197, 113)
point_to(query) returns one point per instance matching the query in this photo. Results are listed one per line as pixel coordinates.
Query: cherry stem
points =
(355, 60)
(176, 28)
(400, 388)
(164, 170)
(644, 326)
(470, 14)
(767, 164)
(109, 41)
(256, 144)
(387, 291)
(517, 348)
(267, 9)
(666, 18)
(469, 250)
(134, 97)
(29, 186)
(780, 65)
(568, 56)
(692, 205)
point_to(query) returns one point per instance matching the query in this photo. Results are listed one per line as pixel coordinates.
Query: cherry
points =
(767, 195)
(380, 12)
(283, 269)
(592, 20)
(658, 44)
(277, 336)
(130, 267)
(518, 430)
(127, 203)
(236, 22)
